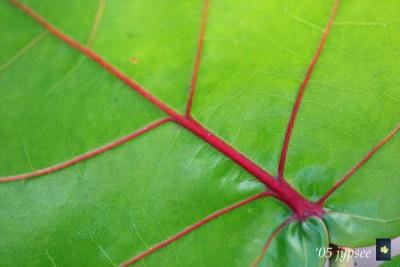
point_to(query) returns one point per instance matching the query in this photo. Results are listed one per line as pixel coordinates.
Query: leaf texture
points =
(95, 174)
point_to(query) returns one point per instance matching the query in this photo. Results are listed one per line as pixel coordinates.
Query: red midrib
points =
(282, 190)
(279, 187)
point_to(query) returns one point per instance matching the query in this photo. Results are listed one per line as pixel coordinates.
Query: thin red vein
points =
(284, 191)
(272, 236)
(96, 23)
(56, 32)
(190, 124)
(198, 57)
(85, 156)
(194, 227)
(302, 89)
(359, 165)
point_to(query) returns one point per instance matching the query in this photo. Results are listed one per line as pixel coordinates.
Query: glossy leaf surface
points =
(58, 104)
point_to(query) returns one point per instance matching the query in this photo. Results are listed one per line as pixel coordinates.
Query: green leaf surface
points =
(130, 198)
(57, 104)
(394, 262)
(297, 244)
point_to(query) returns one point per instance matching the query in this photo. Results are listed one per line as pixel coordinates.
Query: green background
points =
(57, 104)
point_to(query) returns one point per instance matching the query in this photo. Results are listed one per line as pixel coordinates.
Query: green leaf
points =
(103, 209)
(395, 261)
(299, 242)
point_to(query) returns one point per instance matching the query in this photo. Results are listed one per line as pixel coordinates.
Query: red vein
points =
(89, 53)
(194, 227)
(272, 236)
(284, 191)
(359, 165)
(198, 57)
(188, 123)
(96, 23)
(302, 89)
(86, 155)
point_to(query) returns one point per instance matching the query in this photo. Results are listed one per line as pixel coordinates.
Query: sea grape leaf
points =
(365, 207)
(357, 84)
(53, 110)
(58, 104)
(133, 197)
(145, 30)
(353, 98)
